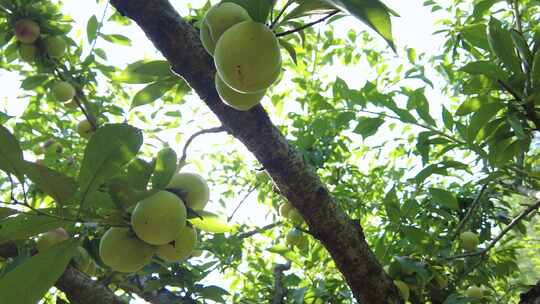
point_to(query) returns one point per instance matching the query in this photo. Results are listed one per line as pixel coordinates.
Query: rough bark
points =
(81, 289)
(178, 41)
(532, 296)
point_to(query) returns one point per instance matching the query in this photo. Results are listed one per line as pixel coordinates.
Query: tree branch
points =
(179, 43)
(506, 229)
(201, 132)
(305, 26)
(279, 290)
(258, 230)
(532, 296)
(470, 211)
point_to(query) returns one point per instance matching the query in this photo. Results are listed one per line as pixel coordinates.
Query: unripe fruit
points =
(196, 253)
(220, 17)
(181, 248)
(159, 218)
(206, 39)
(84, 128)
(474, 292)
(55, 46)
(27, 31)
(237, 100)
(194, 187)
(48, 239)
(247, 57)
(63, 91)
(84, 262)
(285, 209)
(123, 252)
(296, 238)
(38, 150)
(27, 52)
(403, 289)
(295, 217)
(469, 241)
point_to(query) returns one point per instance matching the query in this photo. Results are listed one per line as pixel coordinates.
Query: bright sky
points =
(412, 29)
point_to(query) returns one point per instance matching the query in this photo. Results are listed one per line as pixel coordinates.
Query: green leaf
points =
(145, 72)
(428, 171)
(372, 12)
(308, 8)
(391, 205)
(482, 117)
(447, 119)
(24, 225)
(110, 148)
(476, 35)
(30, 281)
(444, 198)
(11, 155)
(91, 29)
(515, 123)
(368, 126)
(165, 168)
(535, 71)
(213, 293)
(469, 106)
(289, 48)
(210, 222)
(151, 93)
(419, 101)
(138, 173)
(5, 212)
(32, 82)
(487, 68)
(57, 185)
(521, 46)
(259, 10)
(500, 41)
(117, 39)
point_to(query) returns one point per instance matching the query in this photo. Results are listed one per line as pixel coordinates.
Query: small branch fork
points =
(470, 211)
(509, 227)
(201, 132)
(241, 202)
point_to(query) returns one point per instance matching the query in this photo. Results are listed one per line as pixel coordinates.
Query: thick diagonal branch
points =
(179, 42)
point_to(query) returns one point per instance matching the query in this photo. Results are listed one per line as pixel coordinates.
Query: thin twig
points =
(98, 30)
(470, 211)
(205, 131)
(305, 26)
(517, 16)
(509, 227)
(274, 23)
(241, 202)
(258, 230)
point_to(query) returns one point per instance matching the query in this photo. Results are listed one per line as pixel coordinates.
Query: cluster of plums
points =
(295, 237)
(158, 226)
(246, 54)
(32, 43)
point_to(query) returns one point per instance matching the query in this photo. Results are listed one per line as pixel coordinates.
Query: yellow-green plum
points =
(247, 57)
(475, 292)
(285, 209)
(84, 128)
(235, 99)
(220, 17)
(63, 91)
(27, 52)
(159, 218)
(180, 248)
(55, 46)
(27, 30)
(122, 251)
(193, 187)
(469, 240)
(50, 238)
(206, 39)
(196, 253)
(295, 238)
(403, 289)
(295, 217)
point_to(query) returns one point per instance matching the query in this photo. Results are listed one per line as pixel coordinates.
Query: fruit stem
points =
(303, 27)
